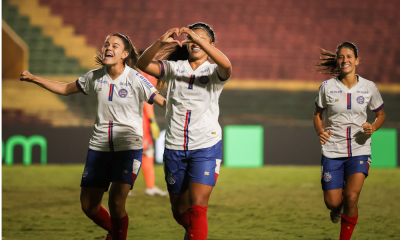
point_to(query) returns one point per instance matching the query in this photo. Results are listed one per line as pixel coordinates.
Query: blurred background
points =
(266, 107)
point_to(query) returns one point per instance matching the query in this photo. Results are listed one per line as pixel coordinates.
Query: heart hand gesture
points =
(170, 37)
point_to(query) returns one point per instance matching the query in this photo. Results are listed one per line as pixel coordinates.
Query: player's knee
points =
(351, 199)
(89, 210)
(333, 203)
(116, 205)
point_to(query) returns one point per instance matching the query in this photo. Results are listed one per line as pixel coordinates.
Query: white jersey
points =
(192, 105)
(346, 112)
(118, 125)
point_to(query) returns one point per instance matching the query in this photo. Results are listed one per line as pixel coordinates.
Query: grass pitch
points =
(273, 202)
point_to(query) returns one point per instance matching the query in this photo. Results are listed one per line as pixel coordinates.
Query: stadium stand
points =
(267, 39)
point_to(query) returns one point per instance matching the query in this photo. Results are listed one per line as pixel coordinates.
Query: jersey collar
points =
(123, 74)
(189, 69)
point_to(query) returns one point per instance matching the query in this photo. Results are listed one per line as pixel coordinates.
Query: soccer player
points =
(340, 119)
(193, 148)
(115, 148)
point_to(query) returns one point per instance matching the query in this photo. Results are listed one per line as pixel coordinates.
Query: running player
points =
(115, 149)
(193, 148)
(340, 120)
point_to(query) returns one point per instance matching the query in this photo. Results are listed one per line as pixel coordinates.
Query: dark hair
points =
(327, 63)
(174, 52)
(130, 60)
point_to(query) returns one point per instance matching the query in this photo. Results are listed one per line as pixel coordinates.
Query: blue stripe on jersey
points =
(162, 69)
(111, 93)
(191, 81)
(79, 87)
(379, 108)
(349, 101)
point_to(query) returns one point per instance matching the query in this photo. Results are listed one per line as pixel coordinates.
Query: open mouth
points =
(196, 49)
(108, 56)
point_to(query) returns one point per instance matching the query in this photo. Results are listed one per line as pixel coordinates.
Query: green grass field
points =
(273, 202)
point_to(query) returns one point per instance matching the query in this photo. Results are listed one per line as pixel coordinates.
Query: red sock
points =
(119, 228)
(198, 227)
(102, 219)
(347, 228)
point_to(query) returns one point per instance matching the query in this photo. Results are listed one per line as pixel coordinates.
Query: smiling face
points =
(347, 61)
(114, 51)
(195, 52)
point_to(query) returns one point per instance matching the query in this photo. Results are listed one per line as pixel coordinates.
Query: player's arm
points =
(323, 136)
(369, 129)
(224, 68)
(55, 87)
(160, 101)
(146, 62)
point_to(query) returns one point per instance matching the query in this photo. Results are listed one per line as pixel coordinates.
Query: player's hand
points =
(26, 76)
(155, 130)
(168, 37)
(191, 36)
(368, 128)
(323, 137)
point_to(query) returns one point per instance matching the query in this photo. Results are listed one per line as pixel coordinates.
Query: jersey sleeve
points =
(376, 102)
(147, 90)
(85, 83)
(215, 75)
(320, 101)
(167, 70)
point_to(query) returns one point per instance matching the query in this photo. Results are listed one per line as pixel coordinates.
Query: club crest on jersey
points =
(327, 177)
(360, 99)
(123, 93)
(85, 173)
(204, 79)
(170, 179)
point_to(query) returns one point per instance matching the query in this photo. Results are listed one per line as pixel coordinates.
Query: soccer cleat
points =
(108, 237)
(336, 216)
(155, 191)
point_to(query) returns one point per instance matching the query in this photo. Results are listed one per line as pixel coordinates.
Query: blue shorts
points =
(200, 166)
(102, 168)
(334, 170)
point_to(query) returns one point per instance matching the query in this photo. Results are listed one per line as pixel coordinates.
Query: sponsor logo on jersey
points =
(179, 71)
(206, 173)
(204, 79)
(125, 84)
(85, 173)
(336, 91)
(337, 100)
(361, 162)
(327, 177)
(144, 80)
(99, 89)
(101, 80)
(125, 171)
(362, 92)
(171, 180)
(360, 99)
(123, 93)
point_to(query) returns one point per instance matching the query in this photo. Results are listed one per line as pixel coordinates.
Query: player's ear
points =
(125, 54)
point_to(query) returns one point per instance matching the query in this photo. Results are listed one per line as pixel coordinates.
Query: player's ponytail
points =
(130, 60)
(327, 63)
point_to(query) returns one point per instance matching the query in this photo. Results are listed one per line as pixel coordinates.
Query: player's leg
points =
(125, 168)
(332, 181)
(356, 170)
(203, 172)
(95, 180)
(175, 165)
(148, 173)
